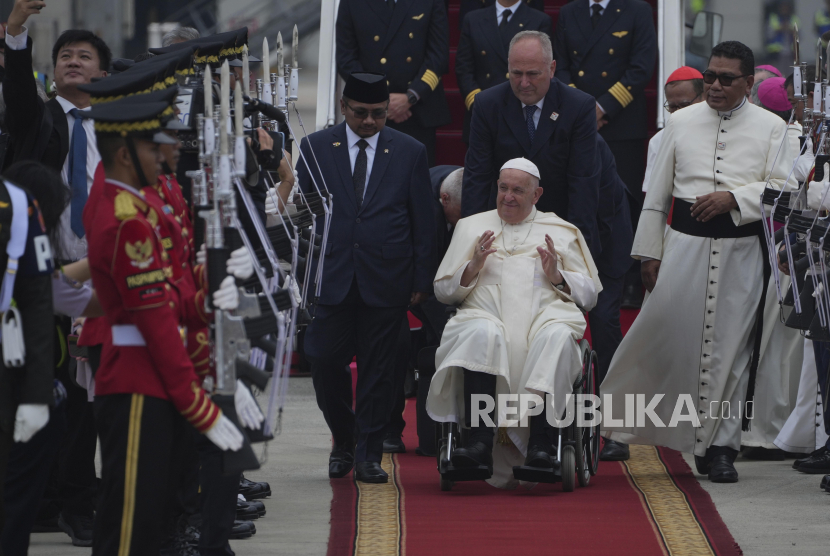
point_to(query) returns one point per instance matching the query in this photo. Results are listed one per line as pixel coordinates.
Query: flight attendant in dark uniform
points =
(481, 58)
(608, 49)
(408, 40)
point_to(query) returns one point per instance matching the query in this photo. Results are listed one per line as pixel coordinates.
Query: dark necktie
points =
(77, 173)
(359, 174)
(596, 15)
(503, 26)
(531, 126)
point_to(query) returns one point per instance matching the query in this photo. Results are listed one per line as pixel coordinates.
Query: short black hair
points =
(107, 147)
(73, 36)
(48, 190)
(735, 50)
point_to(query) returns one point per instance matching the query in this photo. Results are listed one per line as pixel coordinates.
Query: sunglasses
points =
(362, 113)
(710, 77)
(672, 108)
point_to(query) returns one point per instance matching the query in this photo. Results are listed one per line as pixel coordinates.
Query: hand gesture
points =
(483, 249)
(649, 271)
(548, 255)
(708, 206)
(20, 13)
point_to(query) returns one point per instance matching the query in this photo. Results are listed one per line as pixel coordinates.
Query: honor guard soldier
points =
(409, 42)
(146, 388)
(607, 48)
(481, 58)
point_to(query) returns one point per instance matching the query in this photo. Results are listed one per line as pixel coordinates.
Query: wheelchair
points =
(577, 448)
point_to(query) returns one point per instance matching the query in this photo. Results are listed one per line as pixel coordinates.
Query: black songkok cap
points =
(365, 87)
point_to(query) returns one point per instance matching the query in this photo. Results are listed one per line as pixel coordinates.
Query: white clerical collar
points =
(729, 113)
(530, 217)
(353, 138)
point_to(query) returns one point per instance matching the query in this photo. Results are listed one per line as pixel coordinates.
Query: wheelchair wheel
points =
(568, 468)
(592, 433)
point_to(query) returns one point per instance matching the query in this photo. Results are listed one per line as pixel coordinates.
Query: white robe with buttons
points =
(511, 321)
(694, 333)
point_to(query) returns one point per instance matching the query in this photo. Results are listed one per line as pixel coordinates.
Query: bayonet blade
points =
(295, 43)
(246, 82)
(266, 61)
(280, 56)
(796, 44)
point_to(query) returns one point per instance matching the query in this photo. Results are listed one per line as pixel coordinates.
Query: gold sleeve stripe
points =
(430, 78)
(196, 397)
(471, 97)
(620, 93)
(212, 414)
(571, 85)
(199, 412)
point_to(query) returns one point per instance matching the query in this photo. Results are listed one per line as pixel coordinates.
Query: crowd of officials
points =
(568, 100)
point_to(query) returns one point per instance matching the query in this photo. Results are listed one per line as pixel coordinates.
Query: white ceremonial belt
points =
(127, 335)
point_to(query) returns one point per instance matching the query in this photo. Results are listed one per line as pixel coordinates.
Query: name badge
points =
(721, 146)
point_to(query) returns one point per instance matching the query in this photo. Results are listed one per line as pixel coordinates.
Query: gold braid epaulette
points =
(127, 205)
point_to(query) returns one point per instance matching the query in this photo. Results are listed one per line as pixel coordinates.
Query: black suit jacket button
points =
(357, 246)
(358, 221)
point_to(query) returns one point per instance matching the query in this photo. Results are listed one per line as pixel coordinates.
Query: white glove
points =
(30, 418)
(201, 255)
(227, 296)
(295, 289)
(272, 198)
(816, 191)
(225, 435)
(240, 263)
(246, 407)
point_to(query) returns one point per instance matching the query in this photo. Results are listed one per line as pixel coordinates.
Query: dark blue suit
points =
(564, 149)
(375, 258)
(616, 237)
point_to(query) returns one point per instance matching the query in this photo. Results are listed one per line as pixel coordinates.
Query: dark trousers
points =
(402, 353)
(29, 466)
(337, 334)
(822, 355)
(6, 437)
(218, 493)
(631, 167)
(604, 319)
(483, 384)
(426, 135)
(139, 436)
(433, 316)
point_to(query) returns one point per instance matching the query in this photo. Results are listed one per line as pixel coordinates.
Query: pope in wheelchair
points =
(520, 279)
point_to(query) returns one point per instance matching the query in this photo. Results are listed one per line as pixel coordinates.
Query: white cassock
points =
(779, 370)
(511, 321)
(804, 430)
(694, 334)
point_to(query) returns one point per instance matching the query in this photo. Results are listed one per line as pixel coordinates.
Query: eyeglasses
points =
(710, 77)
(672, 108)
(362, 113)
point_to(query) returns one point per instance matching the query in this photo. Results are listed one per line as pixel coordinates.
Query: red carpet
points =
(651, 505)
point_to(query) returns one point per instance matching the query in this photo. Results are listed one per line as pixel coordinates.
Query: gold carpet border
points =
(675, 520)
(379, 520)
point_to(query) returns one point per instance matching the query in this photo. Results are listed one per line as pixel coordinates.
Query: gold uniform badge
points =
(140, 253)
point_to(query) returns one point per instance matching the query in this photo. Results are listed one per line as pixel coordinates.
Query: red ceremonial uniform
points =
(95, 330)
(135, 279)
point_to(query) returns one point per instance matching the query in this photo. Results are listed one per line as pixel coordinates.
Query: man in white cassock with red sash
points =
(521, 279)
(695, 340)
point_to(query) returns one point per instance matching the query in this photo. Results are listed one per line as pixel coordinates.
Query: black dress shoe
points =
(614, 451)
(816, 453)
(721, 470)
(246, 511)
(253, 490)
(632, 297)
(540, 456)
(818, 465)
(393, 445)
(242, 530)
(474, 454)
(702, 465)
(825, 482)
(370, 472)
(259, 506)
(341, 462)
(78, 527)
(763, 454)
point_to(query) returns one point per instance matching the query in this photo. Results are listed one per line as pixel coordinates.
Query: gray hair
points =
(452, 186)
(180, 34)
(753, 94)
(544, 42)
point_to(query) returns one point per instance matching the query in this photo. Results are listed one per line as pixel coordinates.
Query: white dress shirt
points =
(500, 9)
(352, 139)
(72, 247)
(603, 3)
(536, 115)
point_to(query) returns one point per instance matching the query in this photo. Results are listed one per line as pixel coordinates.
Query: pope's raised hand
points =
(483, 249)
(548, 255)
